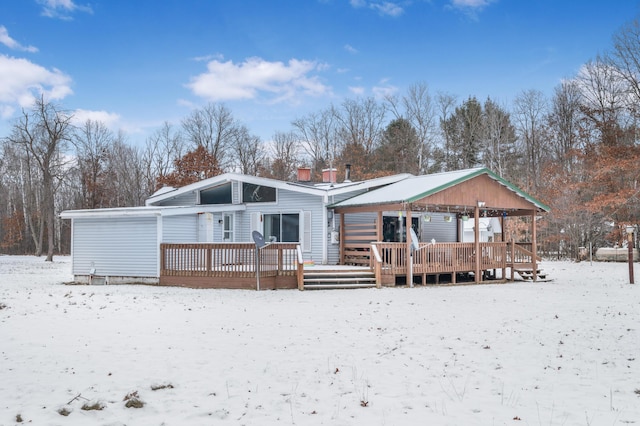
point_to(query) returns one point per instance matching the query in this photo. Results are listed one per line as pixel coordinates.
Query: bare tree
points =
(42, 133)
(625, 57)
(162, 148)
(214, 128)
(360, 125)
(605, 99)
(419, 110)
(249, 151)
(127, 165)
(564, 123)
(530, 109)
(446, 104)
(317, 133)
(499, 139)
(92, 141)
(284, 154)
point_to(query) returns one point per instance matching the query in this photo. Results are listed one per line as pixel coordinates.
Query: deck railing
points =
(435, 258)
(227, 259)
(520, 253)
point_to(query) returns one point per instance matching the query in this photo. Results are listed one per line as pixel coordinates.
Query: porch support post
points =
(379, 227)
(341, 234)
(534, 248)
(476, 238)
(409, 255)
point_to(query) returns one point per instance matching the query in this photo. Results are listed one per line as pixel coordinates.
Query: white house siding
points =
(118, 247)
(288, 202)
(180, 229)
(438, 229)
(188, 199)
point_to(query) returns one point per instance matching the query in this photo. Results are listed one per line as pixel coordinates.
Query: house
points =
(201, 235)
(122, 245)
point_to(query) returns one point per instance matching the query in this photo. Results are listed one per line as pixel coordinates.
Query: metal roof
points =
(320, 189)
(414, 188)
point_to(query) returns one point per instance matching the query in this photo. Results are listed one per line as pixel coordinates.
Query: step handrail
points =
(300, 267)
(377, 264)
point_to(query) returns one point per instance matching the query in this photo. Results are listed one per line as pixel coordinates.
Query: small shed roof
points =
(422, 190)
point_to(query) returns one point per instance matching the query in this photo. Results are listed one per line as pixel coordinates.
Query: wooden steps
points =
(324, 279)
(527, 274)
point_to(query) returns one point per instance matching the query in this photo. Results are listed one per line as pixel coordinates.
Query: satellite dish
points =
(415, 244)
(259, 239)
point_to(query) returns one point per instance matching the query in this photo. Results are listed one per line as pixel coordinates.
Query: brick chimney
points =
(304, 174)
(329, 175)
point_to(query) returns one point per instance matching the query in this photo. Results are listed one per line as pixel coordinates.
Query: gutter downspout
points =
(325, 233)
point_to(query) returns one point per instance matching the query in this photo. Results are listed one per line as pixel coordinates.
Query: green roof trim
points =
(474, 174)
(402, 191)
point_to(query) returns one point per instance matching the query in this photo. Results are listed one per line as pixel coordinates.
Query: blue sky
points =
(134, 64)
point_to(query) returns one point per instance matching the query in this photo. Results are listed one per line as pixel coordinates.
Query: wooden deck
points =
(229, 265)
(281, 266)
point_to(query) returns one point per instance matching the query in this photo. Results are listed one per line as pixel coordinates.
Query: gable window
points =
(217, 195)
(252, 193)
(284, 227)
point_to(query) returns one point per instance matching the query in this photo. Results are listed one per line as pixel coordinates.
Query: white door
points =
(227, 228)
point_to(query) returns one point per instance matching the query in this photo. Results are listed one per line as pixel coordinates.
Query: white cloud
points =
(22, 79)
(109, 119)
(384, 89)
(382, 7)
(62, 9)
(388, 8)
(350, 49)
(356, 90)
(207, 58)
(471, 7)
(470, 3)
(254, 76)
(11, 43)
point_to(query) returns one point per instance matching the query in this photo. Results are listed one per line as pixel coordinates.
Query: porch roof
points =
(422, 190)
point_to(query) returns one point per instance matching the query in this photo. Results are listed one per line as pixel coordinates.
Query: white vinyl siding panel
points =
(180, 229)
(288, 202)
(306, 233)
(438, 229)
(188, 199)
(235, 192)
(116, 246)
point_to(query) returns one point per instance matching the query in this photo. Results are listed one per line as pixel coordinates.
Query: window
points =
(227, 227)
(216, 195)
(252, 193)
(284, 227)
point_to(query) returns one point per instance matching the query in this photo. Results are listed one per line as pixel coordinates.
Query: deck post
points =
(476, 237)
(379, 226)
(534, 248)
(341, 235)
(409, 253)
(513, 260)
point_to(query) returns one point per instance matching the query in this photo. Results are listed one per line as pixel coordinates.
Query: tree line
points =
(576, 150)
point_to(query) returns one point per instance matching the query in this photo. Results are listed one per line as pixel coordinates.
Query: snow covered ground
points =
(565, 352)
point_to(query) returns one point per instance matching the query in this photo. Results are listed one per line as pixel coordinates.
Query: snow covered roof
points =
(320, 189)
(414, 188)
(149, 211)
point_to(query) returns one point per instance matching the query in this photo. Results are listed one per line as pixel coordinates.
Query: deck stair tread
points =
(527, 274)
(339, 279)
